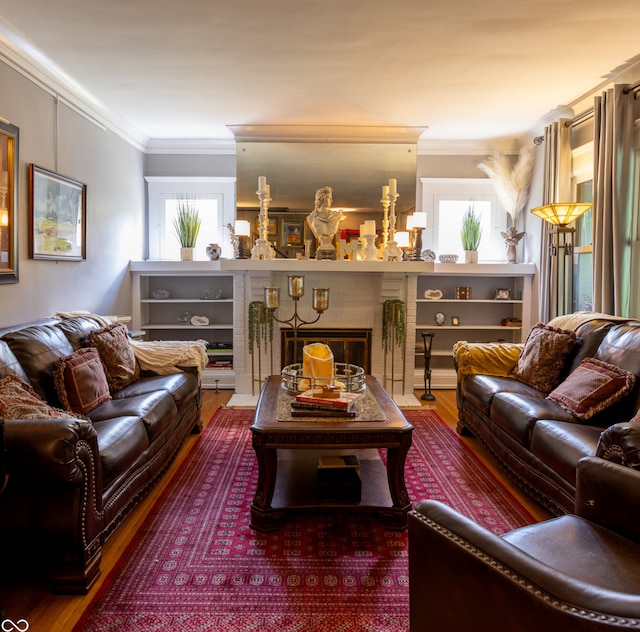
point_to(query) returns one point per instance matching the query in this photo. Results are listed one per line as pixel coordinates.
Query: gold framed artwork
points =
(57, 217)
(292, 233)
(8, 203)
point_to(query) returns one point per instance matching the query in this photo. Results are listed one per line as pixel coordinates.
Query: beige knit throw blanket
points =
(160, 356)
(571, 322)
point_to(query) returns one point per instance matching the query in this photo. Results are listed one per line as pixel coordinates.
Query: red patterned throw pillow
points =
(120, 366)
(80, 381)
(18, 400)
(544, 356)
(592, 387)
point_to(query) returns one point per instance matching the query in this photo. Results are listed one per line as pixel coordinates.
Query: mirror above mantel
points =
(299, 159)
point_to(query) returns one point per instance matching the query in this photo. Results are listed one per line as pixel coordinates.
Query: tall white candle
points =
(393, 186)
(363, 229)
(262, 184)
(267, 190)
(370, 227)
(385, 192)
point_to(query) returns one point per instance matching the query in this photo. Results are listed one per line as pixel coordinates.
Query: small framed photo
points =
(455, 321)
(292, 233)
(463, 293)
(58, 216)
(503, 294)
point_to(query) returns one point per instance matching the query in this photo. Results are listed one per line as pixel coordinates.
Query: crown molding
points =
(212, 146)
(21, 55)
(327, 133)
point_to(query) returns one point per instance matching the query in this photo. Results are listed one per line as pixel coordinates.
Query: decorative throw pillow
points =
(593, 386)
(112, 343)
(18, 400)
(544, 356)
(80, 381)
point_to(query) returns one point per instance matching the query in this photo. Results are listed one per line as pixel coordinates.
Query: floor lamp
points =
(559, 216)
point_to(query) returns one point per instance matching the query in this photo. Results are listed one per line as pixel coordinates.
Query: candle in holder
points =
(320, 299)
(262, 184)
(370, 227)
(272, 297)
(385, 192)
(393, 186)
(296, 285)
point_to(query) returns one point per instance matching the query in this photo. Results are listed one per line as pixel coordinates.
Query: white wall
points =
(111, 168)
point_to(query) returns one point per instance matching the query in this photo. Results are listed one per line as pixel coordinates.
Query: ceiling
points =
(465, 69)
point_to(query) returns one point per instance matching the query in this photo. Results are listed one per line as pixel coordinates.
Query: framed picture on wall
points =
(57, 216)
(292, 233)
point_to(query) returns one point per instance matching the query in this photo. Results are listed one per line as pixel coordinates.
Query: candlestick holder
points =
(392, 252)
(262, 248)
(385, 224)
(295, 289)
(369, 250)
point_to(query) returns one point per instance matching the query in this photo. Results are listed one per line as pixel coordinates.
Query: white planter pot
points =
(471, 256)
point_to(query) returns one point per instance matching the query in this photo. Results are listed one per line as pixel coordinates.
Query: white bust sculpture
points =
(324, 222)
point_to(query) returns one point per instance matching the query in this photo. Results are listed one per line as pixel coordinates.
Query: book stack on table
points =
(319, 402)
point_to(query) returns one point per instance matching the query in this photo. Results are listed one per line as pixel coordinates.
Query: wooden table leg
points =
(396, 517)
(263, 517)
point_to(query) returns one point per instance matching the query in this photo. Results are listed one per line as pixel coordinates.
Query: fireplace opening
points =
(351, 346)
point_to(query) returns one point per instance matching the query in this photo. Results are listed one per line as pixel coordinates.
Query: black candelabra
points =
(427, 339)
(295, 289)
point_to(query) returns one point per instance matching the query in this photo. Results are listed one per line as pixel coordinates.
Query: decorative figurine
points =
(511, 239)
(324, 222)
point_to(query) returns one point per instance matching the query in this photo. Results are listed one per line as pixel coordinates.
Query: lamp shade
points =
(561, 213)
(242, 227)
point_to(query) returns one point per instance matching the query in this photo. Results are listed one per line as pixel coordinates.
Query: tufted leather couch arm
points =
(620, 444)
(49, 449)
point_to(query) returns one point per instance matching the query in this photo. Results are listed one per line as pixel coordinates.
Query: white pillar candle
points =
(385, 192)
(370, 227)
(393, 186)
(262, 184)
(363, 229)
(420, 220)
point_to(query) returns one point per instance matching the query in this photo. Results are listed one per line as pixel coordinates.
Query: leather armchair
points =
(578, 572)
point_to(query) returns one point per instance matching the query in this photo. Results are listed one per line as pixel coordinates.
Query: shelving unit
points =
(170, 318)
(480, 317)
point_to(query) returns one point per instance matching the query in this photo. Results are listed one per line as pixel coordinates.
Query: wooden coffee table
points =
(288, 452)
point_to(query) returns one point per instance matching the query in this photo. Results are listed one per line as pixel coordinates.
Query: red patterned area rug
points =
(196, 564)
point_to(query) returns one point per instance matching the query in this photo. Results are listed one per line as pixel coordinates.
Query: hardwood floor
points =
(47, 612)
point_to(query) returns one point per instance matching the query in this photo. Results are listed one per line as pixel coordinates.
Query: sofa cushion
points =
(80, 381)
(112, 343)
(481, 389)
(18, 400)
(183, 387)
(156, 410)
(121, 441)
(517, 414)
(592, 387)
(560, 445)
(544, 356)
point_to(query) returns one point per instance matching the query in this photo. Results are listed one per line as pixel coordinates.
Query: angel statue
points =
(511, 239)
(324, 222)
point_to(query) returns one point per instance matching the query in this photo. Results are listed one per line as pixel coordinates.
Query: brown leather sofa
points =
(536, 441)
(577, 572)
(71, 483)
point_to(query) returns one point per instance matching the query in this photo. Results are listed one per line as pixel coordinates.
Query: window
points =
(214, 199)
(582, 185)
(445, 200)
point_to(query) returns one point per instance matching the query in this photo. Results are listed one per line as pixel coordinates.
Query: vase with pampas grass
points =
(510, 181)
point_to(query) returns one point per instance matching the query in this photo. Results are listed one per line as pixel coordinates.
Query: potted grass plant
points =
(471, 233)
(187, 226)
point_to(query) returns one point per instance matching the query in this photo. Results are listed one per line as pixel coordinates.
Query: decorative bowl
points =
(351, 375)
(159, 294)
(448, 258)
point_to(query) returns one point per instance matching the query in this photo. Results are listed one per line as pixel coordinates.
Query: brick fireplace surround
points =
(357, 293)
